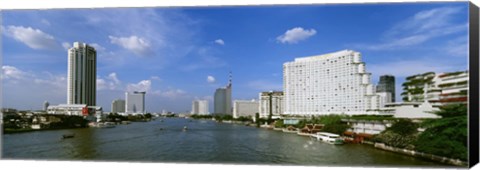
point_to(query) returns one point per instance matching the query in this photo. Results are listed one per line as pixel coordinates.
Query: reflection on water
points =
(203, 142)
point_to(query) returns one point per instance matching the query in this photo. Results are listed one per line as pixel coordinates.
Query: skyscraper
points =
(82, 74)
(387, 84)
(223, 99)
(118, 106)
(333, 83)
(135, 102)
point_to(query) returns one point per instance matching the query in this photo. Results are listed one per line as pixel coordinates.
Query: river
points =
(205, 141)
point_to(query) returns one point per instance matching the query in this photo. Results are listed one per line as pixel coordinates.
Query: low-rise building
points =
(74, 109)
(245, 108)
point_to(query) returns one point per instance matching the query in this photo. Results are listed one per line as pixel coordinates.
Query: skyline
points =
(181, 54)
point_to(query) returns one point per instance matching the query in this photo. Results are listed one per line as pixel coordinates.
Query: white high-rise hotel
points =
(82, 74)
(334, 83)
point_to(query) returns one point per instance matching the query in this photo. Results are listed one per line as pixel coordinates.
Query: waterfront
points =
(205, 141)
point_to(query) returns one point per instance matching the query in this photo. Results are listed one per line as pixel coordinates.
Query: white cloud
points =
(263, 85)
(206, 59)
(44, 21)
(419, 28)
(295, 35)
(97, 47)
(210, 79)
(173, 93)
(33, 38)
(219, 42)
(66, 45)
(412, 67)
(137, 45)
(144, 85)
(155, 78)
(110, 82)
(10, 72)
(113, 77)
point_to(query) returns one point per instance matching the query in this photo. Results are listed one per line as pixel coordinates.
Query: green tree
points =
(448, 135)
(279, 123)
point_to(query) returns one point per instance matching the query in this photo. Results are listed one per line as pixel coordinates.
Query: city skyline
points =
(185, 54)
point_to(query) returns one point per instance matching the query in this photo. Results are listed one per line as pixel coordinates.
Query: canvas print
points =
(372, 85)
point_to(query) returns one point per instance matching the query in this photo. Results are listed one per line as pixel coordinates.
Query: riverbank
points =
(13, 131)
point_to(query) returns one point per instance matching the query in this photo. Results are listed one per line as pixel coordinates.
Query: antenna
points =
(230, 79)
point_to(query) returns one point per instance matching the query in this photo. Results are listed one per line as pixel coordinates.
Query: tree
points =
(257, 119)
(148, 116)
(279, 123)
(448, 135)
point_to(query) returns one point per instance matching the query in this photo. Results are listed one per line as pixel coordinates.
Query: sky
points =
(179, 54)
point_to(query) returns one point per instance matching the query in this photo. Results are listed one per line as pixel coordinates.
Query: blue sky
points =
(181, 54)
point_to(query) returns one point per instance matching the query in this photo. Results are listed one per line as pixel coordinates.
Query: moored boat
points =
(328, 138)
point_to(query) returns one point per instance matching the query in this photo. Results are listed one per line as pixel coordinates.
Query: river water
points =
(205, 141)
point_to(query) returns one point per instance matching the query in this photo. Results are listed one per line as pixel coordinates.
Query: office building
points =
(135, 103)
(277, 104)
(386, 84)
(200, 107)
(118, 106)
(223, 99)
(245, 108)
(82, 74)
(334, 83)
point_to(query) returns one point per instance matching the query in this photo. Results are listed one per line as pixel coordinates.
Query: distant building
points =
(135, 103)
(384, 98)
(118, 106)
(276, 98)
(245, 108)
(82, 74)
(45, 105)
(223, 99)
(385, 85)
(334, 83)
(74, 109)
(200, 107)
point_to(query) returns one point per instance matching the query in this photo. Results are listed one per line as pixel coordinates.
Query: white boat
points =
(328, 138)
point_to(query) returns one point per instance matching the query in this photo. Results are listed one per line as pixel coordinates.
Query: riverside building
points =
(277, 104)
(245, 108)
(334, 83)
(118, 106)
(200, 107)
(82, 74)
(222, 102)
(437, 89)
(135, 103)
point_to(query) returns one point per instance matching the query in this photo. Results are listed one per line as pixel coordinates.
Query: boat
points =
(185, 128)
(108, 124)
(328, 138)
(66, 136)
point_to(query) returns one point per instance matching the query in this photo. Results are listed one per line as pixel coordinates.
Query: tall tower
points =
(223, 99)
(82, 74)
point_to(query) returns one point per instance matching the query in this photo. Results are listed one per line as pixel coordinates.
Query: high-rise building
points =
(245, 108)
(135, 103)
(118, 106)
(223, 99)
(387, 84)
(200, 107)
(277, 106)
(334, 83)
(45, 105)
(82, 74)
